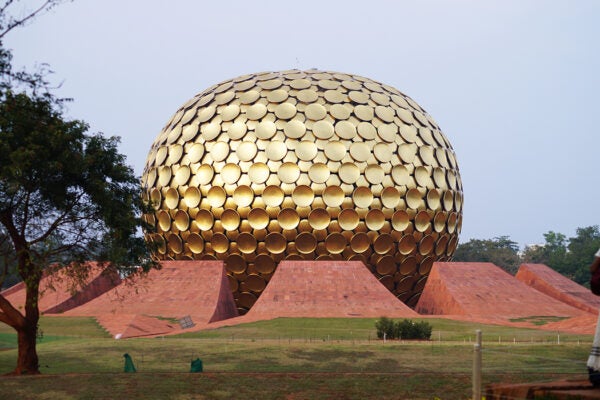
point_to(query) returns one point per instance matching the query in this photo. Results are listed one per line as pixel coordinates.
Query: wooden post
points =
(477, 367)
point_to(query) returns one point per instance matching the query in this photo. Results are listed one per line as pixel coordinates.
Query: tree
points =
(500, 251)
(66, 196)
(570, 257)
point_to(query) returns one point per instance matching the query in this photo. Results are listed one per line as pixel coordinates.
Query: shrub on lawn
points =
(405, 329)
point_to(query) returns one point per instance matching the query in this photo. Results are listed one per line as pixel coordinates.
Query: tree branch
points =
(11, 24)
(10, 315)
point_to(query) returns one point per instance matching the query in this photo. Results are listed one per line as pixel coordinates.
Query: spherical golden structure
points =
(304, 165)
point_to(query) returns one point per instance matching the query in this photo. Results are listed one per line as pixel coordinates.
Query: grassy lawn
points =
(285, 359)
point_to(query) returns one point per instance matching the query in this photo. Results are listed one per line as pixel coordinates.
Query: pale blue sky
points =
(513, 84)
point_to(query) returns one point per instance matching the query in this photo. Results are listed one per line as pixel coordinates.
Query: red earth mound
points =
(59, 294)
(155, 304)
(326, 289)
(559, 287)
(485, 290)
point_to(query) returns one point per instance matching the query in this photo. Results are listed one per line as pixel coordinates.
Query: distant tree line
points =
(569, 256)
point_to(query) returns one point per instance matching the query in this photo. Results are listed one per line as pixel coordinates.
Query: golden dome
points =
(304, 165)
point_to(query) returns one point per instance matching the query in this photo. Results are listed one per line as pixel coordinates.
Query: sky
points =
(513, 84)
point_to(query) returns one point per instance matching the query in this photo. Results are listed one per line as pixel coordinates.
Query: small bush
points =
(405, 329)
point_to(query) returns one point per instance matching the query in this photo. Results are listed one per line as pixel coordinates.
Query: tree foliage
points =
(500, 251)
(66, 196)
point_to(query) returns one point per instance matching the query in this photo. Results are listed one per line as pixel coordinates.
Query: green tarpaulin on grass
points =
(196, 365)
(129, 367)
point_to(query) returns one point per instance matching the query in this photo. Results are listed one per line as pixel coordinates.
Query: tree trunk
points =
(27, 361)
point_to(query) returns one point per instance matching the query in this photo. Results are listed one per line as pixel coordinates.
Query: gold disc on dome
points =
(335, 243)
(400, 175)
(390, 197)
(259, 172)
(195, 152)
(249, 97)
(333, 196)
(360, 242)
(400, 220)
(235, 263)
(230, 220)
(452, 222)
(256, 111)
(264, 264)
(210, 131)
(243, 196)
(219, 151)
(303, 196)
(306, 150)
(275, 243)
(315, 111)
(265, 130)
(440, 246)
(205, 174)
(219, 243)
(273, 196)
(384, 113)
(319, 173)
(358, 97)
(414, 198)
(175, 243)
(230, 112)
(288, 218)
(175, 153)
(285, 111)
(335, 150)
(383, 244)
(191, 198)
(258, 218)
(387, 281)
(206, 113)
(276, 150)
(255, 283)
(307, 96)
(383, 152)
(294, 129)
(231, 173)
(323, 129)
(319, 218)
(367, 131)
(237, 130)
(277, 96)
(386, 265)
(246, 300)
(364, 113)
(407, 244)
(363, 197)
(422, 221)
(340, 112)
(408, 266)
(300, 83)
(345, 130)
(374, 174)
(246, 151)
(216, 196)
(375, 219)
(306, 243)
(448, 200)
(155, 198)
(171, 198)
(288, 172)
(439, 221)
(164, 176)
(246, 243)
(164, 220)
(348, 219)
(181, 220)
(204, 219)
(426, 245)
(360, 151)
(195, 243)
(349, 173)
(333, 96)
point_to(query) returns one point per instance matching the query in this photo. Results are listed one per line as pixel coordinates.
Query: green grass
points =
(286, 358)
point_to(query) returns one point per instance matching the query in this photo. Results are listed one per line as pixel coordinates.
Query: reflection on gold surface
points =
(304, 165)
